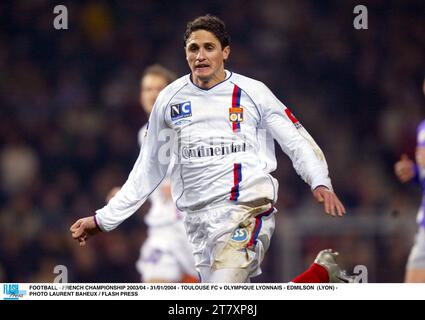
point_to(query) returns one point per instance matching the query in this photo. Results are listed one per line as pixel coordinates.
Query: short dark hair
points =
(209, 23)
(157, 69)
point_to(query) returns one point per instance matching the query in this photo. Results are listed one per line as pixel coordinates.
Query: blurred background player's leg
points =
(166, 257)
(415, 270)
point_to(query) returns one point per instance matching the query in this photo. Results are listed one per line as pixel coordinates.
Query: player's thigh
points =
(229, 276)
(183, 251)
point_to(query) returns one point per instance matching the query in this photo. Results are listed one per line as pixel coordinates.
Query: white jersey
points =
(221, 140)
(163, 210)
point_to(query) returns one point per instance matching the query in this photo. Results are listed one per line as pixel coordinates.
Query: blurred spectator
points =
(19, 168)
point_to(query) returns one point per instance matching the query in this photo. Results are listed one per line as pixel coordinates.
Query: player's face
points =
(150, 87)
(206, 58)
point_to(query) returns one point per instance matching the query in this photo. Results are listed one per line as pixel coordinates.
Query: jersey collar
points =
(189, 80)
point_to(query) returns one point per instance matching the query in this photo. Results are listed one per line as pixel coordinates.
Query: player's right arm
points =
(306, 156)
(148, 171)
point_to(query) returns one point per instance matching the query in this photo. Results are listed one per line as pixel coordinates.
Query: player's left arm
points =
(330, 200)
(306, 156)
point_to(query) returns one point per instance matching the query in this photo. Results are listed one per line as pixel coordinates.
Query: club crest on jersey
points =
(236, 115)
(181, 110)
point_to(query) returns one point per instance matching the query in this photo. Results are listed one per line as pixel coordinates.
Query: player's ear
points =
(226, 53)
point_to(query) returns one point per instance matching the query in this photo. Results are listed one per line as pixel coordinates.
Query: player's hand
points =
(83, 229)
(404, 169)
(330, 201)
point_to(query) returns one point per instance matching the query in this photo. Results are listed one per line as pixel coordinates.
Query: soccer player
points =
(217, 124)
(166, 255)
(406, 170)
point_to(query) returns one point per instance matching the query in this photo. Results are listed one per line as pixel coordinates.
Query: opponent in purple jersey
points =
(407, 170)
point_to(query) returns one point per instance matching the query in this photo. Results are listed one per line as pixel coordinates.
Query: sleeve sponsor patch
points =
(291, 117)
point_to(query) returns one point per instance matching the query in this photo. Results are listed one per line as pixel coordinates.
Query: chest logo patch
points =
(181, 110)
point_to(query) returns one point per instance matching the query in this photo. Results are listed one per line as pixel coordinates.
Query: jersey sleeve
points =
(147, 173)
(306, 156)
(420, 134)
(420, 140)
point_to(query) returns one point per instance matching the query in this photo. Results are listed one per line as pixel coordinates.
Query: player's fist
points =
(330, 201)
(83, 229)
(404, 169)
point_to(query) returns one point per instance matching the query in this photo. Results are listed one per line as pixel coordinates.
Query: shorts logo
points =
(181, 110)
(236, 115)
(240, 235)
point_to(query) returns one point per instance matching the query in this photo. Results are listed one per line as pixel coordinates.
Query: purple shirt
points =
(420, 172)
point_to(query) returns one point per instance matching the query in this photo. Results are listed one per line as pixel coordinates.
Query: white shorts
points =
(231, 236)
(417, 254)
(166, 254)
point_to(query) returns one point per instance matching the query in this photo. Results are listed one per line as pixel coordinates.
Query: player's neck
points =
(210, 82)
